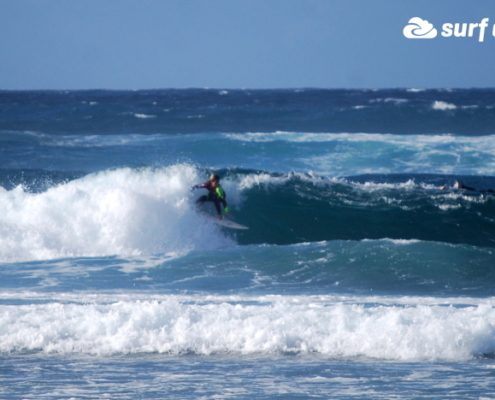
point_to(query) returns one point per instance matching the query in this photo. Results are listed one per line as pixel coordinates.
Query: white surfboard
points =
(223, 222)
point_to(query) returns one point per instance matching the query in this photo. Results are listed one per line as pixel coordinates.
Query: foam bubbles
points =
(442, 105)
(123, 211)
(276, 325)
(144, 116)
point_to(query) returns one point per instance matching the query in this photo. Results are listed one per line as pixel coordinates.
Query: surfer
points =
(459, 185)
(216, 194)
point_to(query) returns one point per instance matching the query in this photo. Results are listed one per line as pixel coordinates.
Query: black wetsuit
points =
(461, 186)
(216, 195)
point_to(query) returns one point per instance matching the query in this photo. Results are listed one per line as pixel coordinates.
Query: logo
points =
(419, 29)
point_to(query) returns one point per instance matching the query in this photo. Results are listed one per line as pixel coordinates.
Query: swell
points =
(399, 111)
(365, 268)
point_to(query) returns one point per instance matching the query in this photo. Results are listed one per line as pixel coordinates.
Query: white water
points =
(272, 324)
(346, 154)
(124, 211)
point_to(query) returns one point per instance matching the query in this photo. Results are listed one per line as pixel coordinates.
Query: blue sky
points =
(144, 44)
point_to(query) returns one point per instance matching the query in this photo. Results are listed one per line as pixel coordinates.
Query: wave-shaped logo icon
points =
(418, 28)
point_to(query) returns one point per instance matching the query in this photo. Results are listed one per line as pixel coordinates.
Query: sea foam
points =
(442, 105)
(281, 325)
(124, 211)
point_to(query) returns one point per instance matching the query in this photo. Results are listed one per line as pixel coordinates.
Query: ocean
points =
(365, 273)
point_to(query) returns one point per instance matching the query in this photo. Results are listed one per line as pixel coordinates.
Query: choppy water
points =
(359, 277)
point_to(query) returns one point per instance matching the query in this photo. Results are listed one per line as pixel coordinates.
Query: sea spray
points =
(124, 211)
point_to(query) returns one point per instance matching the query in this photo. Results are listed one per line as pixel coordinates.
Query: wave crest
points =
(124, 211)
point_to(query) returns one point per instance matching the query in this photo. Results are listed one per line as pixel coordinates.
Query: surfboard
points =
(223, 222)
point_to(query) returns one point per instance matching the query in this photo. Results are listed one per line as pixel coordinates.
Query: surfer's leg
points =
(208, 197)
(202, 199)
(217, 206)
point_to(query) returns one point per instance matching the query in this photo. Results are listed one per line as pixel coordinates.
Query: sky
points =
(258, 44)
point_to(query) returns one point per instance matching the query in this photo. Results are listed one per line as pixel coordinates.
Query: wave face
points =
(302, 207)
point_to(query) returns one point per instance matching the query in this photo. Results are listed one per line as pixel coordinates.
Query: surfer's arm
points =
(201, 185)
(222, 197)
(226, 208)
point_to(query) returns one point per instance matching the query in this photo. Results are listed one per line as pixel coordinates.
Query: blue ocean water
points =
(360, 277)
